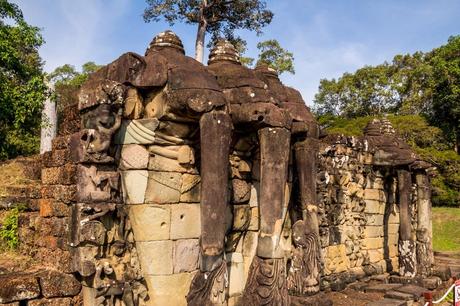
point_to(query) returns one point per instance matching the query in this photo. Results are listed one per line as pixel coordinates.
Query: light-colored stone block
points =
(393, 228)
(163, 187)
(375, 255)
(134, 156)
(374, 207)
(185, 221)
(371, 194)
(150, 222)
(191, 189)
(186, 253)
(250, 243)
(373, 231)
(235, 266)
(134, 183)
(376, 220)
(254, 198)
(161, 163)
(393, 250)
(169, 289)
(393, 218)
(373, 243)
(393, 238)
(156, 257)
(254, 224)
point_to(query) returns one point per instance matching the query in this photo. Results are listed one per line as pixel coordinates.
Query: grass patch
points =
(446, 229)
(9, 229)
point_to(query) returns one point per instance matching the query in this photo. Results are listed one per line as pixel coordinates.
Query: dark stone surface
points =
(14, 287)
(58, 284)
(415, 291)
(382, 287)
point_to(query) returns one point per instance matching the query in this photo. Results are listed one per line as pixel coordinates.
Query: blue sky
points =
(327, 37)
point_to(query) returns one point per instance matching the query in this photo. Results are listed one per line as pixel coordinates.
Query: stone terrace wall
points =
(44, 235)
(359, 216)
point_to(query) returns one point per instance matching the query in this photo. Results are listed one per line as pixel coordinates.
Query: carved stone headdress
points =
(166, 39)
(223, 50)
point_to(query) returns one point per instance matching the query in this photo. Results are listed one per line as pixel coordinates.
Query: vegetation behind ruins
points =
(421, 95)
(22, 85)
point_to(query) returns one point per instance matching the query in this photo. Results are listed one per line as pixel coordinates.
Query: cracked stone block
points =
(161, 163)
(186, 253)
(134, 156)
(163, 187)
(156, 257)
(185, 221)
(150, 222)
(134, 184)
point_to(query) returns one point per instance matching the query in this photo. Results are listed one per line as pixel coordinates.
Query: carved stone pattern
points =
(209, 288)
(266, 284)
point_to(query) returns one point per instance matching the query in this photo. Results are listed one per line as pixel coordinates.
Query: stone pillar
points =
(424, 224)
(266, 284)
(215, 133)
(303, 279)
(274, 158)
(407, 248)
(49, 124)
(210, 284)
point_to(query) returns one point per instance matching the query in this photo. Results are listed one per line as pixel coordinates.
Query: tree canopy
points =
(421, 83)
(272, 54)
(22, 84)
(69, 75)
(219, 18)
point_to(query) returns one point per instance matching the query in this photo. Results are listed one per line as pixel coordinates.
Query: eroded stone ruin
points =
(211, 185)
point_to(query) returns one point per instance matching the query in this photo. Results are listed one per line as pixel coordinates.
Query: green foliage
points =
(68, 75)
(22, 86)
(340, 125)
(420, 83)
(9, 229)
(221, 17)
(273, 55)
(446, 94)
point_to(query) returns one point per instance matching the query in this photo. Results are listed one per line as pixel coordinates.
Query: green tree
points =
(22, 85)
(216, 17)
(272, 54)
(68, 75)
(368, 91)
(446, 94)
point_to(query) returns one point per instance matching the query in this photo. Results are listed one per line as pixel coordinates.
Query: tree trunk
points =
(457, 142)
(201, 34)
(49, 124)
